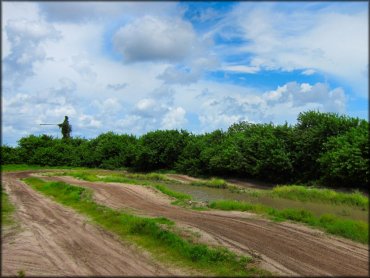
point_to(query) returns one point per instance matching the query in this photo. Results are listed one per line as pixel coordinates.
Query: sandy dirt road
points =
(286, 248)
(55, 241)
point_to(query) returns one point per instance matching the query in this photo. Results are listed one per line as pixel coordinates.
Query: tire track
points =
(54, 240)
(292, 249)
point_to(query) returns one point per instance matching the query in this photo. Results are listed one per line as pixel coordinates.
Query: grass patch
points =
(149, 176)
(136, 178)
(304, 193)
(351, 229)
(148, 233)
(177, 195)
(7, 209)
(25, 167)
(215, 183)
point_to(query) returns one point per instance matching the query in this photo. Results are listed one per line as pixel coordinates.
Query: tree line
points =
(321, 148)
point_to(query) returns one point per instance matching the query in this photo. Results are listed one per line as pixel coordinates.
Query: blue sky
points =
(132, 67)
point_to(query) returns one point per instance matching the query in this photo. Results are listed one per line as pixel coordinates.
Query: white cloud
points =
(318, 95)
(107, 107)
(191, 71)
(26, 40)
(155, 39)
(308, 72)
(84, 68)
(175, 118)
(87, 121)
(77, 12)
(220, 110)
(241, 68)
(332, 41)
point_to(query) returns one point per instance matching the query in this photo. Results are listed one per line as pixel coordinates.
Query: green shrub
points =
(216, 183)
(304, 193)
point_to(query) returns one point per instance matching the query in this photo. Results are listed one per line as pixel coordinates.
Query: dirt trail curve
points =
(286, 248)
(53, 240)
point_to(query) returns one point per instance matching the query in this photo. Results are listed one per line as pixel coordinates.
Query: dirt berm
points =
(285, 248)
(52, 240)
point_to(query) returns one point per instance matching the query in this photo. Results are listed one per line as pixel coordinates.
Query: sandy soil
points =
(182, 178)
(285, 248)
(53, 240)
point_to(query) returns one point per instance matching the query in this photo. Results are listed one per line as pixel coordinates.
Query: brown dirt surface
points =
(54, 240)
(284, 248)
(182, 178)
(250, 184)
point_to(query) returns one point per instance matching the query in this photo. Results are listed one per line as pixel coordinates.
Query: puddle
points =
(212, 194)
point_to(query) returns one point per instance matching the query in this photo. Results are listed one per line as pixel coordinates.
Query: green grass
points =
(149, 176)
(304, 193)
(136, 178)
(215, 183)
(178, 195)
(148, 233)
(351, 229)
(7, 209)
(25, 167)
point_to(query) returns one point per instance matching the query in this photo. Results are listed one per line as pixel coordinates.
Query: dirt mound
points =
(54, 240)
(288, 249)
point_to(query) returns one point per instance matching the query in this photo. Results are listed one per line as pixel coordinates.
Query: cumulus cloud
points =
(191, 71)
(155, 112)
(279, 105)
(84, 67)
(332, 40)
(79, 12)
(26, 40)
(108, 106)
(154, 39)
(299, 95)
(174, 118)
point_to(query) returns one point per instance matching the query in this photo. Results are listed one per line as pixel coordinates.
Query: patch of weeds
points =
(26, 167)
(351, 229)
(164, 220)
(21, 274)
(177, 195)
(304, 193)
(7, 209)
(215, 183)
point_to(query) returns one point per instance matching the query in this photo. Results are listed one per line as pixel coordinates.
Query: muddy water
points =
(212, 194)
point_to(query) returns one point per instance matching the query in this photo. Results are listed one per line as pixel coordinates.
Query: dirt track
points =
(285, 248)
(54, 240)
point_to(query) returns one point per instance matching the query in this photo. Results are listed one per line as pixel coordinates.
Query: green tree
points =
(312, 131)
(345, 162)
(160, 149)
(10, 155)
